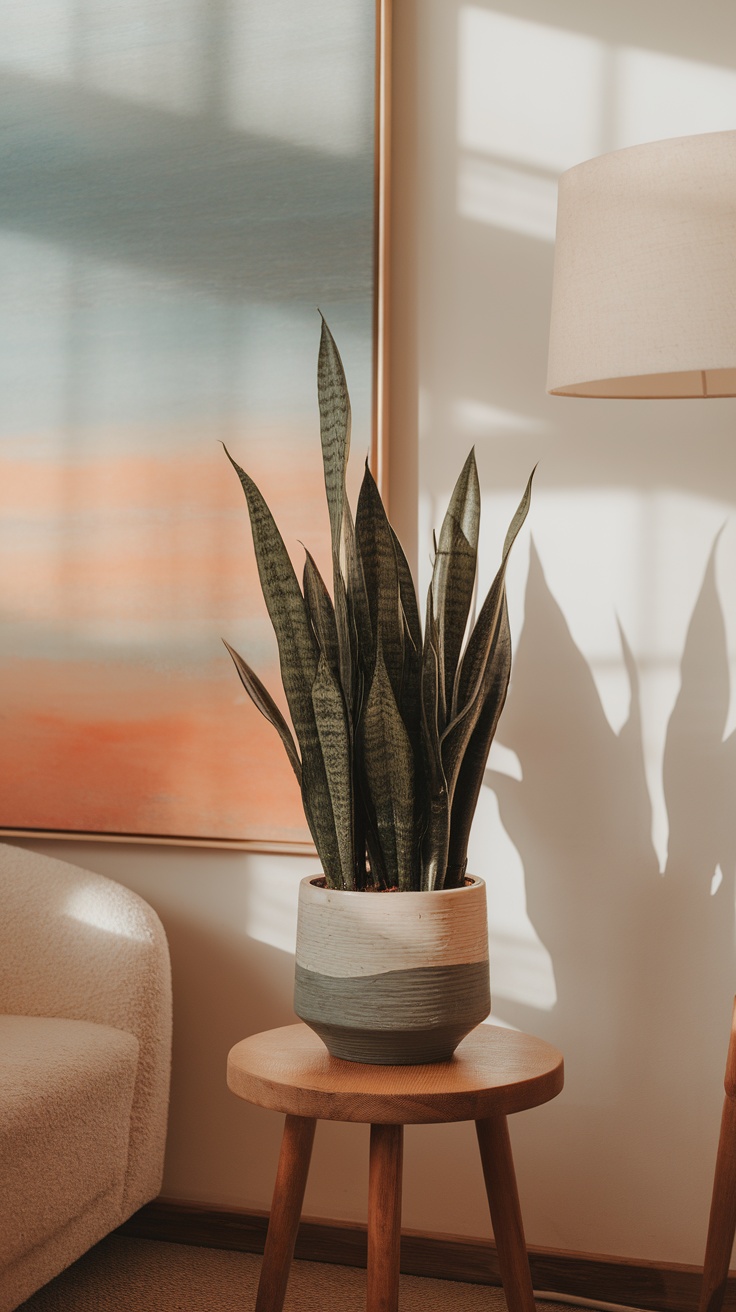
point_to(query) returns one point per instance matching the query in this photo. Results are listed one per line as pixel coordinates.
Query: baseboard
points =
(629, 1282)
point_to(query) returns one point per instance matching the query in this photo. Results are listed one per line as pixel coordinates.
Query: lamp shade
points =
(644, 294)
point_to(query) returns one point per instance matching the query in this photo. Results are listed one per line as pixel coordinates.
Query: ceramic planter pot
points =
(392, 978)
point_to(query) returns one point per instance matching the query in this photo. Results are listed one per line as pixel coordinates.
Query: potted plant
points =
(391, 733)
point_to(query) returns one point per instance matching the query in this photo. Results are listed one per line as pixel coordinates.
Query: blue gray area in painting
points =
(184, 182)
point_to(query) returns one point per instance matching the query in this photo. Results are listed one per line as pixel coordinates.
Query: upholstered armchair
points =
(85, 1044)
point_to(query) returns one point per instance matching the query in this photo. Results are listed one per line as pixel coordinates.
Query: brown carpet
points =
(146, 1275)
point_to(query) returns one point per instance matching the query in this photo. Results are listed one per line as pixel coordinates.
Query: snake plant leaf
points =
(335, 741)
(435, 843)
(389, 770)
(321, 611)
(435, 820)
(334, 412)
(366, 827)
(391, 729)
(286, 607)
(477, 670)
(345, 641)
(475, 757)
(430, 681)
(453, 574)
(481, 639)
(410, 696)
(410, 700)
(363, 636)
(334, 415)
(408, 595)
(298, 655)
(318, 811)
(375, 543)
(262, 698)
(433, 635)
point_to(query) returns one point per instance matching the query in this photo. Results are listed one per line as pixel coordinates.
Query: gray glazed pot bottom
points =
(398, 1018)
(391, 1048)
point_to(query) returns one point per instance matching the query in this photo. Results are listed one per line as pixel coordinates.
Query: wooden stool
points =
(494, 1072)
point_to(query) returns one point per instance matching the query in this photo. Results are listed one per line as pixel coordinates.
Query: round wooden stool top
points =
(494, 1072)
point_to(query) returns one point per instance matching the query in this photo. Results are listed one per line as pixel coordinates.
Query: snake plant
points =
(391, 727)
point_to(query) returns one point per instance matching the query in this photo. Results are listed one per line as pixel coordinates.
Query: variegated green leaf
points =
(298, 655)
(345, 644)
(318, 811)
(435, 843)
(262, 698)
(321, 611)
(453, 574)
(475, 757)
(432, 635)
(334, 414)
(334, 737)
(375, 543)
(430, 695)
(286, 607)
(520, 514)
(436, 802)
(389, 770)
(334, 411)
(408, 595)
(358, 596)
(366, 821)
(477, 663)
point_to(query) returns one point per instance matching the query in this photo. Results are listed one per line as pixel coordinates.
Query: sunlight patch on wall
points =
(521, 966)
(507, 198)
(504, 760)
(535, 99)
(628, 555)
(527, 91)
(477, 419)
(521, 969)
(658, 96)
(272, 901)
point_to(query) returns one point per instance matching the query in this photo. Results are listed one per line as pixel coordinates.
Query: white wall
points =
(610, 810)
(608, 820)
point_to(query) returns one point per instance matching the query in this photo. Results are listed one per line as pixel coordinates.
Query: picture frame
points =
(149, 317)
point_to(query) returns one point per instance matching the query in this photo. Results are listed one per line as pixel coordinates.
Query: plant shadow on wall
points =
(644, 961)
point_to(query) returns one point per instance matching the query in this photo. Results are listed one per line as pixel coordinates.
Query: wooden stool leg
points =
(722, 1223)
(384, 1217)
(503, 1200)
(286, 1209)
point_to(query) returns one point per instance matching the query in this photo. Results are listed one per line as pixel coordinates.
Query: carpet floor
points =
(146, 1275)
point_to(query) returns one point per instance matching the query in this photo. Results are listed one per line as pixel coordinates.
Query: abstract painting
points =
(185, 184)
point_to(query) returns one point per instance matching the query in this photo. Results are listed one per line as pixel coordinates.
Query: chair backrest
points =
(77, 945)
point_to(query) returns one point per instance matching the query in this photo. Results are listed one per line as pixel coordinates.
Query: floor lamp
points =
(644, 307)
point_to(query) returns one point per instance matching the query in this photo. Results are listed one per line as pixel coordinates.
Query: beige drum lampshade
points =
(644, 297)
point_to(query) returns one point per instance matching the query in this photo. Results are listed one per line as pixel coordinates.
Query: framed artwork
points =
(185, 184)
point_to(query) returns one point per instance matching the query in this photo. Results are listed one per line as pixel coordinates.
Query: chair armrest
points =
(77, 945)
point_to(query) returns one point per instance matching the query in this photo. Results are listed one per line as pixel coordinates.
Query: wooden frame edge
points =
(270, 846)
(381, 248)
(628, 1282)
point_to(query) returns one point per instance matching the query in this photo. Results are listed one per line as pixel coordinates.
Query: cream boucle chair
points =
(85, 1045)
